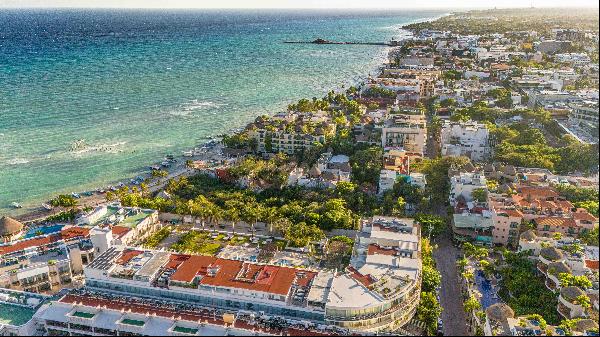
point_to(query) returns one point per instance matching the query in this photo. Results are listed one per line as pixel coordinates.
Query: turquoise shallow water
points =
(137, 85)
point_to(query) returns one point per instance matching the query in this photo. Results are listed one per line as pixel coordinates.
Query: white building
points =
(463, 185)
(381, 288)
(576, 59)
(17, 312)
(387, 179)
(466, 139)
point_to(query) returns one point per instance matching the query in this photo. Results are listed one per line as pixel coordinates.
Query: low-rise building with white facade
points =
(469, 139)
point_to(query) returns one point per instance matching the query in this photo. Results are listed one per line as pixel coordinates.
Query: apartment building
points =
(470, 139)
(275, 135)
(45, 263)
(584, 113)
(405, 131)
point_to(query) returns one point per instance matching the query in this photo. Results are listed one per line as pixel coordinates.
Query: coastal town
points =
(454, 193)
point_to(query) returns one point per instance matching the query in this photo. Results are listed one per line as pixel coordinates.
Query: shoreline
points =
(32, 213)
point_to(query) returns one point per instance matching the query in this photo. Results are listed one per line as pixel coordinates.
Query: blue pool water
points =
(488, 295)
(43, 231)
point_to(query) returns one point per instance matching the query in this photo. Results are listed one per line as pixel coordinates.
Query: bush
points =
(155, 239)
(65, 216)
(64, 200)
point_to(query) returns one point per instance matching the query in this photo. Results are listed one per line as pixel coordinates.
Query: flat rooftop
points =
(209, 271)
(123, 216)
(160, 317)
(347, 292)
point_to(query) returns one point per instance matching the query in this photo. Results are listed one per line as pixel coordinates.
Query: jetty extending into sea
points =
(392, 43)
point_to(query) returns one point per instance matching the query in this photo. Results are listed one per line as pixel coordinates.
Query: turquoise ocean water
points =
(137, 85)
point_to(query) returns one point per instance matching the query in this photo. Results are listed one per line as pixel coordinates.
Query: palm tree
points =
(216, 214)
(283, 225)
(233, 214)
(251, 213)
(191, 208)
(270, 215)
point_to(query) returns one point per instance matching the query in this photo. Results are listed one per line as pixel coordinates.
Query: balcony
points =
(550, 284)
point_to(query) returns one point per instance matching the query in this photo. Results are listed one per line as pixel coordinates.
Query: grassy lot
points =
(337, 253)
(201, 243)
(155, 239)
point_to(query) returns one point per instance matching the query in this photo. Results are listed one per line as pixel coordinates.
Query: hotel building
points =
(378, 291)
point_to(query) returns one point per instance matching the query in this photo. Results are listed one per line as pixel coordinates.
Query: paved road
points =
(453, 316)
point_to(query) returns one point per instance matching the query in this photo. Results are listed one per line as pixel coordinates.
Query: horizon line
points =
(305, 8)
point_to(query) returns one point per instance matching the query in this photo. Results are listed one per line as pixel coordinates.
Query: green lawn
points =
(238, 240)
(196, 242)
(155, 239)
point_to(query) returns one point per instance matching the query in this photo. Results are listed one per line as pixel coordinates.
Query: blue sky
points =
(298, 3)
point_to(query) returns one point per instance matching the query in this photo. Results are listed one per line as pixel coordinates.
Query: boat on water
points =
(16, 205)
(75, 195)
(188, 153)
(47, 207)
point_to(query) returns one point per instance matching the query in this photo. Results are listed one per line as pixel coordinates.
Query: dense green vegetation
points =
(65, 216)
(433, 225)
(525, 293)
(429, 309)
(337, 252)
(197, 242)
(155, 239)
(300, 214)
(366, 165)
(379, 93)
(64, 200)
(436, 173)
(535, 141)
(540, 20)
(239, 141)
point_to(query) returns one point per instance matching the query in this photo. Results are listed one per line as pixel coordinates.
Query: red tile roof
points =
(242, 275)
(175, 260)
(555, 222)
(269, 279)
(192, 266)
(119, 231)
(74, 232)
(537, 192)
(376, 249)
(365, 280)
(66, 234)
(582, 214)
(127, 255)
(592, 264)
(513, 213)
